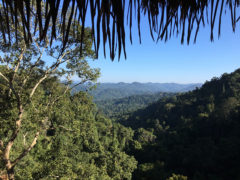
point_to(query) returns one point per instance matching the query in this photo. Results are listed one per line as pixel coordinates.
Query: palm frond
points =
(165, 18)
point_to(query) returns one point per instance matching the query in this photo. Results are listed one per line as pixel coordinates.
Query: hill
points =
(117, 108)
(106, 91)
(195, 134)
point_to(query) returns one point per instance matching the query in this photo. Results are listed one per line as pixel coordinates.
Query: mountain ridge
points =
(105, 91)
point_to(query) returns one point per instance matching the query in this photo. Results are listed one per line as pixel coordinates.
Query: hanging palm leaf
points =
(165, 18)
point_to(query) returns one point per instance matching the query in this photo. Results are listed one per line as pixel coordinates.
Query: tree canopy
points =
(165, 18)
(23, 69)
(195, 134)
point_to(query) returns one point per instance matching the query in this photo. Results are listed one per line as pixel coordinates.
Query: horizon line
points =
(108, 82)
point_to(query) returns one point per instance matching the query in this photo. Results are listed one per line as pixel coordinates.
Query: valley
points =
(195, 134)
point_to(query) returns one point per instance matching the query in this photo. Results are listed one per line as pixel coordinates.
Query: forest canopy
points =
(49, 132)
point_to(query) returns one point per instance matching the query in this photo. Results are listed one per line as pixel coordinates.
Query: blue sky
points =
(171, 61)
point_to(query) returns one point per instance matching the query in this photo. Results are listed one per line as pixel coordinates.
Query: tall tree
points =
(24, 68)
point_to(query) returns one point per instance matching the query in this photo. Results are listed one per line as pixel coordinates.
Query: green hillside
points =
(117, 108)
(195, 134)
(109, 91)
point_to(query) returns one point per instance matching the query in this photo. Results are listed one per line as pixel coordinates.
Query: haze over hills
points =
(106, 91)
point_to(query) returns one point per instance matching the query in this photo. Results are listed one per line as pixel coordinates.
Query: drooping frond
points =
(165, 18)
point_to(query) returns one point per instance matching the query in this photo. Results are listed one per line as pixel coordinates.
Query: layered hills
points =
(195, 134)
(107, 91)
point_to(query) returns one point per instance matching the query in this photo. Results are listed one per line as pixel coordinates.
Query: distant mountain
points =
(106, 91)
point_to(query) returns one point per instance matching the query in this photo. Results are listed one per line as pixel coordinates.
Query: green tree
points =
(78, 142)
(23, 69)
(177, 177)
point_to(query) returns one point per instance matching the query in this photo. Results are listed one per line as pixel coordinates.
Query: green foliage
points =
(79, 143)
(196, 133)
(45, 131)
(119, 109)
(177, 177)
(144, 137)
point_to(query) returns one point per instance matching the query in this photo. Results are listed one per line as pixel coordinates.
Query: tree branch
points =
(24, 139)
(4, 77)
(49, 71)
(57, 98)
(63, 127)
(78, 84)
(13, 136)
(37, 84)
(35, 64)
(17, 67)
(24, 153)
(3, 61)
(19, 60)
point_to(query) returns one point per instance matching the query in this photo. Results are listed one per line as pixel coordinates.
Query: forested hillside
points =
(117, 108)
(195, 134)
(108, 91)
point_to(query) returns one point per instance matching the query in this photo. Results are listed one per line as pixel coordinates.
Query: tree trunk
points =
(10, 173)
(3, 176)
(8, 164)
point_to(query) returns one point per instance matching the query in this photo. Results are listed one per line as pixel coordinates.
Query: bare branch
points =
(3, 61)
(19, 60)
(37, 84)
(4, 77)
(67, 129)
(39, 49)
(36, 63)
(82, 82)
(24, 139)
(24, 153)
(31, 69)
(49, 71)
(17, 66)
